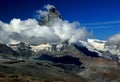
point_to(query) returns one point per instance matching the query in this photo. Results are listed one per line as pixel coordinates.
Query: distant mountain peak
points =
(53, 14)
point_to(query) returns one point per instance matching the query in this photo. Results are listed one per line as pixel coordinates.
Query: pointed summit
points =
(53, 14)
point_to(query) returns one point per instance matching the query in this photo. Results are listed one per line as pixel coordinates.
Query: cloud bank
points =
(30, 31)
(114, 40)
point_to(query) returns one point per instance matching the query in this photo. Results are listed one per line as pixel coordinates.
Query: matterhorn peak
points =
(49, 18)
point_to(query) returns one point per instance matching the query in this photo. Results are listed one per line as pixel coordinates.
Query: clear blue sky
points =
(100, 16)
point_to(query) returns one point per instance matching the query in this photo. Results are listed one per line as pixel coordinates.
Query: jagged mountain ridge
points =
(101, 47)
(61, 49)
(7, 53)
(71, 61)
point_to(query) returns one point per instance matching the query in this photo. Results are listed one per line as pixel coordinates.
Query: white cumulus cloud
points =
(30, 31)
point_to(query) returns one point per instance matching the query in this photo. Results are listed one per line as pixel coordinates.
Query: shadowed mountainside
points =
(69, 65)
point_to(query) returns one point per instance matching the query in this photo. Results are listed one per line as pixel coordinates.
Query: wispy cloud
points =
(101, 25)
(104, 23)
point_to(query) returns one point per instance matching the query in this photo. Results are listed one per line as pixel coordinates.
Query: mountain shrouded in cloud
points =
(54, 30)
(114, 41)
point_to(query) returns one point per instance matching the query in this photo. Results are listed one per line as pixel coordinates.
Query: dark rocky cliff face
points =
(53, 14)
(6, 51)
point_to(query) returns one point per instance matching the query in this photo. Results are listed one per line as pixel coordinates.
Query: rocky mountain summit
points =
(53, 14)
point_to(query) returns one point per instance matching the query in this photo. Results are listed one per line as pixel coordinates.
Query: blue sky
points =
(102, 17)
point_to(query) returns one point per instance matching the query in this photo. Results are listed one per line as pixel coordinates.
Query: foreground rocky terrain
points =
(71, 64)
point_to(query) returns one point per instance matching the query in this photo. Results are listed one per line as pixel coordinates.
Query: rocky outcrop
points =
(50, 17)
(41, 72)
(4, 49)
(71, 64)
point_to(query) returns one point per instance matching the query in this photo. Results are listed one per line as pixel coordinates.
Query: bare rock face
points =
(53, 14)
(69, 65)
(53, 69)
(100, 69)
(4, 49)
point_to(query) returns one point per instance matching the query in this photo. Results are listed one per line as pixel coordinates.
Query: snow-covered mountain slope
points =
(103, 50)
(41, 47)
(93, 45)
(102, 45)
(97, 44)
